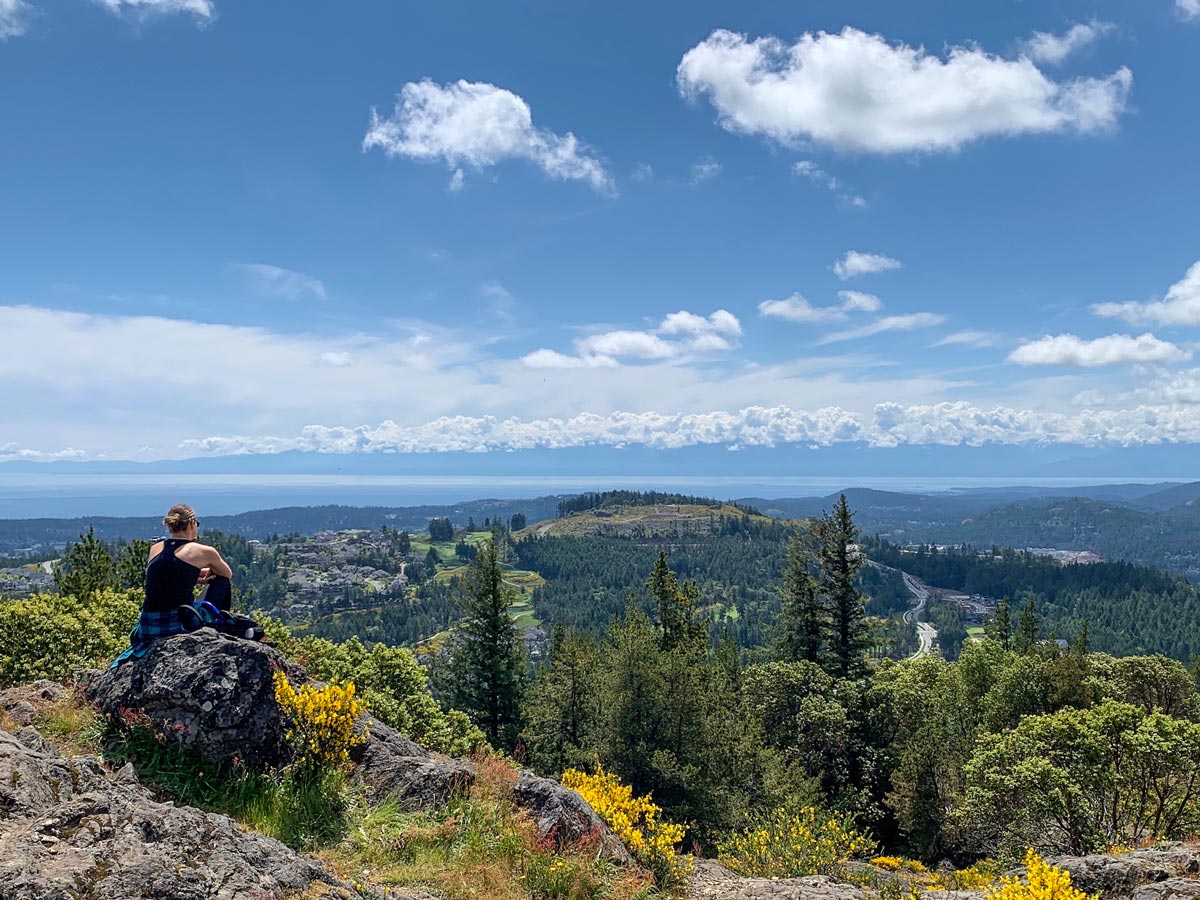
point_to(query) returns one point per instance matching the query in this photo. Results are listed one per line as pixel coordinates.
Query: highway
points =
(926, 633)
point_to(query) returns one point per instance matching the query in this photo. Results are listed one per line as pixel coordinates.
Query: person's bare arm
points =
(211, 560)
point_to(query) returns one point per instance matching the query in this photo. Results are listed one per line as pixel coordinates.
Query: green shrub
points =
(55, 636)
(394, 685)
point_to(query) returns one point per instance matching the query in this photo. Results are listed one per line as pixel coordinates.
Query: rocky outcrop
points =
(1170, 873)
(20, 703)
(213, 695)
(71, 831)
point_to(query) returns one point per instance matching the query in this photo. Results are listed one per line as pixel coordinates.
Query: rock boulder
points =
(207, 692)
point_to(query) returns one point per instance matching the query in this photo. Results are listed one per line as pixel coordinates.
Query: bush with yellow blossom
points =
(322, 721)
(1042, 882)
(637, 821)
(786, 844)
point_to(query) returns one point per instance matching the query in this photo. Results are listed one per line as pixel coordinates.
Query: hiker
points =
(175, 566)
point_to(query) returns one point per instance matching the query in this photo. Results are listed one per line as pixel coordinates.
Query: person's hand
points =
(206, 575)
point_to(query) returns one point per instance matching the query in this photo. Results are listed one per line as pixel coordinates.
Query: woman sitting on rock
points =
(176, 565)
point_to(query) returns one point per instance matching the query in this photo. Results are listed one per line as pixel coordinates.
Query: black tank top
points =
(169, 580)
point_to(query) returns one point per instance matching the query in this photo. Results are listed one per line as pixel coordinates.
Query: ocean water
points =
(55, 495)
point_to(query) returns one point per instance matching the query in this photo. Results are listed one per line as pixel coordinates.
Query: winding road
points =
(926, 633)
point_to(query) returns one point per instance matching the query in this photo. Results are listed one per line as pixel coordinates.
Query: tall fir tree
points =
(998, 627)
(487, 665)
(563, 709)
(840, 559)
(803, 624)
(1029, 629)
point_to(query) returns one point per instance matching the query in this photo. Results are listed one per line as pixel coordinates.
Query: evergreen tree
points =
(86, 568)
(1082, 645)
(676, 605)
(562, 715)
(998, 627)
(1029, 629)
(840, 559)
(440, 530)
(803, 623)
(488, 660)
(517, 522)
(130, 569)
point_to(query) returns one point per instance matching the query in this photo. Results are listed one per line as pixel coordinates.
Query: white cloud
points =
(1181, 306)
(336, 358)
(552, 359)
(204, 10)
(14, 18)
(643, 172)
(806, 168)
(636, 344)
(457, 180)
(859, 301)
(284, 284)
(888, 425)
(679, 333)
(478, 125)
(854, 264)
(907, 322)
(1053, 49)
(704, 170)
(1116, 349)
(15, 451)
(684, 322)
(797, 309)
(856, 92)
(968, 339)
(1189, 10)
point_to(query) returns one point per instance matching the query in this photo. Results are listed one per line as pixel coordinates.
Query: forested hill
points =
(593, 562)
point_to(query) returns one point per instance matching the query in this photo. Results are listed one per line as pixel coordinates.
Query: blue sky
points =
(261, 226)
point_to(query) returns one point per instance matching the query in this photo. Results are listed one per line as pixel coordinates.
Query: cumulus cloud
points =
(284, 284)
(855, 263)
(1053, 49)
(13, 451)
(1115, 349)
(204, 10)
(15, 16)
(907, 322)
(478, 125)
(857, 92)
(806, 168)
(704, 170)
(888, 425)
(797, 309)
(679, 333)
(1181, 305)
(968, 339)
(1189, 10)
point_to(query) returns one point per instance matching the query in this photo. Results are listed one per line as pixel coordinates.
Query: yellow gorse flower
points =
(1043, 882)
(637, 821)
(786, 845)
(322, 722)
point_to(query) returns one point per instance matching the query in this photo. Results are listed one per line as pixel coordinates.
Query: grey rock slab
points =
(69, 831)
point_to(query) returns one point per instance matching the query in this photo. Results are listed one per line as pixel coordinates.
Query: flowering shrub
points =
(1043, 882)
(784, 844)
(321, 731)
(635, 820)
(978, 877)
(898, 863)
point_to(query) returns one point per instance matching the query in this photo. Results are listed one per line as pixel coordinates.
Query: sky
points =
(260, 226)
